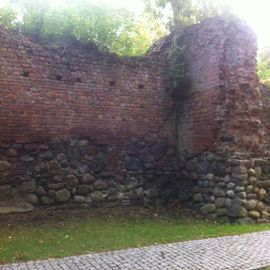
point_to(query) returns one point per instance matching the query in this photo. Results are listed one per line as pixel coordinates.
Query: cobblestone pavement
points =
(250, 251)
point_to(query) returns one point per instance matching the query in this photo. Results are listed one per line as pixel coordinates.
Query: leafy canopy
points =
(115, 30)
(186, 12)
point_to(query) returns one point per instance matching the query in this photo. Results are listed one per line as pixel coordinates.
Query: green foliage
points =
(116, 30)
(177, 71)
(186, 12)
(7, 17)
(263, 66)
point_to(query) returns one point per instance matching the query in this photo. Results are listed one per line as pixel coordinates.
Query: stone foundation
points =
(228, 189)
(84, 172)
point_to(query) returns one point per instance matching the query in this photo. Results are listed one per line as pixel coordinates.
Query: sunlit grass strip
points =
(94, 234)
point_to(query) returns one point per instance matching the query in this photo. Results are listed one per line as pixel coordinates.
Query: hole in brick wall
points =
(112, 83)
(78, 80)
(58, 77)
(140, 86)
(25, 74)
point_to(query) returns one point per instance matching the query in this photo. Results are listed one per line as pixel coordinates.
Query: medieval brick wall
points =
(85, 127)
(70, 91)
(82, 126)
(223, 105)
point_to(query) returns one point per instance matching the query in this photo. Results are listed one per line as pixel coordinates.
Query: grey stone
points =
(151, 193)
(88, 179)
(254, 214)
(54, 167)
(222, 185)
(26, 158)
(58, 178)
(231, 186)
(31, 198)
(72, 180)
(47, 200)
(15, 206)
(97, 196)
(228, 202)
(251, 196)
(258, 171)
(265, 215)
(227, 178)
(47, 155)
(252, 172)
(242, 195)
(28, 186)
(251, 205)
(79, 199)
(183, 196)
(40, 191)
(236, 209)
(228, 170)
(56, 186)
(133, 164)
(238, 162)
(73, 153)
(41, 167)
(262, 194)
(221, 212)
(210, 177)
(198, 197)
(4, 165)
(245, 221)
(252, 180)
(210, 157)
(62, 195)
(61, 157)
(158, 151)
(240, 177)
(218, 192)
(261, 206)
(12, 153)
(207, 209)
(218, 168)
(82, 190)
(220, 202)
(249, 189)
(239, 189)
(83, 143)
(239, 169)
(51, 193)
(230, 193)
(7, 191)
(100, 185)
(263, 184)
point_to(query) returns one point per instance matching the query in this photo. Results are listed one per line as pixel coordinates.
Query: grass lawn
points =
(51, 233)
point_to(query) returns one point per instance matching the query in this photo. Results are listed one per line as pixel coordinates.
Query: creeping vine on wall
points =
(178, 73)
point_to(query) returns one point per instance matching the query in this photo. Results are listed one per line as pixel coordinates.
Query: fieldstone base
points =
(14, 205)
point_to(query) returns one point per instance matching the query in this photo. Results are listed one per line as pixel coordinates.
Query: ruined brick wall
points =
(76, 91)
(222, 109)
(82, 126)
(265, 115)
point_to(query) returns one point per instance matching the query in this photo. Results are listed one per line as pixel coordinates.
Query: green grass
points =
(47, 234)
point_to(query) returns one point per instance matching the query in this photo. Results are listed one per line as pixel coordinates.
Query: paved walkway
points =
(250, 251)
